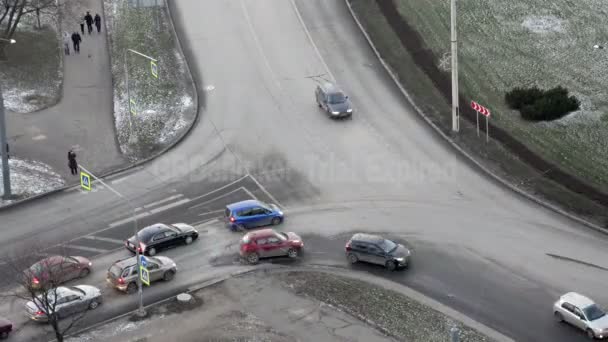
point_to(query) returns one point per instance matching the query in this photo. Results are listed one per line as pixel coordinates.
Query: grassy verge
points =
(434, 105)
(164, 106)
(32, 74)
(394, 313)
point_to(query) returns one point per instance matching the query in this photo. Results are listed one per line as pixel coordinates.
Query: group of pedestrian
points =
(76, 38)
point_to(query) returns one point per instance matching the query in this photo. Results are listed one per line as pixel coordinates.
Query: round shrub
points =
(538, 105)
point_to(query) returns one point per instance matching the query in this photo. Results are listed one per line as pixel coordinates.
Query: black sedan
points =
(161, 236)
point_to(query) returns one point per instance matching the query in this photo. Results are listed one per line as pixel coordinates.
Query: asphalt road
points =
(480, 248)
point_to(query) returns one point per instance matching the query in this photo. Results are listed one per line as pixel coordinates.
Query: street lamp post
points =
(140, 308)
(6, 175)
(126, 63)
(454, 43)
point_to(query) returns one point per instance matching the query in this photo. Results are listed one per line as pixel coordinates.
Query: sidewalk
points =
(84, 116)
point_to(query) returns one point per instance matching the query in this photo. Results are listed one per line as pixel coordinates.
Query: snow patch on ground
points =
(29, 178)
(543, 24)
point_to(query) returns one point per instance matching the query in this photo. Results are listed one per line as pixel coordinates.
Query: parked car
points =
(162, 236)
(55, 270)
(6, 327)
(583, 313)
(252, 213)
(65, 301)
(333, 101)
(266, 243)
(375, 249)
(122, 275)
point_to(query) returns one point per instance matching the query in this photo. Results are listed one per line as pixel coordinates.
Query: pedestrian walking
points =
(66, 42)
(98, 22)
(72, 162)
(82, 26)
(8, 151)
(89, 19)
(76, 39)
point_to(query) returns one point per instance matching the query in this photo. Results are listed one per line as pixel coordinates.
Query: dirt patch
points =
(419, 72)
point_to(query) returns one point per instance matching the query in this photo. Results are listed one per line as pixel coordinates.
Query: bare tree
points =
(39, 284)
(12, 11)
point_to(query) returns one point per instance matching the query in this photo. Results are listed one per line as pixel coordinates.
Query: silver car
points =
(123, 274)
(65, 302)
(582, 313)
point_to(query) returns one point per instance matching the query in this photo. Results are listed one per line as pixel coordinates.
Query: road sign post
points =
(479, 109)
(85, 181)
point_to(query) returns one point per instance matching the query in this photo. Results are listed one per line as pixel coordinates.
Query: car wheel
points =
(390, 265)
(292, 253)
(152, 251)
(131, 288)
(352, 258)
(85, 272)
(253, 258)
(93, 305)
(275, 221)
(4, 335)
(188, 240)
(168, 275)
(590, 334)
(558, 317)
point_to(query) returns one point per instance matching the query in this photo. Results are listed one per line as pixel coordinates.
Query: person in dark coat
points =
(89, 19)
(76, 39)
(98, 22)
(72, 162)
(82, 26)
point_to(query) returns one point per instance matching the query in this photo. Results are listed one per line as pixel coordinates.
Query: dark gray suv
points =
(375, 249)
(333, 100)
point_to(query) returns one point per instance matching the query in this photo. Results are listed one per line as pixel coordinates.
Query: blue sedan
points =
(252, 213)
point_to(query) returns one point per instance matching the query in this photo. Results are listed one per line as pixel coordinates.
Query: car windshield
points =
(336, 98)
(593, 312)
(283, 236)
(387, 245)
(116, 271)
(265, 206)
(75, 289)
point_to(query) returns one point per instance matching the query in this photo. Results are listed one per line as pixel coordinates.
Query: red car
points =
(6, 327)
(266, 243)
(56, 270)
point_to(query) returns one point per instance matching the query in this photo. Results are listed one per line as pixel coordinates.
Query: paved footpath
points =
(84, 116)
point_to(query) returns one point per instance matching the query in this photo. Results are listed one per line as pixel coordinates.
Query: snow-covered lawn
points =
(163, 107)
(32, 75)
(505, 44)
(29, 178)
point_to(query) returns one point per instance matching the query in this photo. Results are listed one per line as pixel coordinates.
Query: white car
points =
(582, 313)
(66, 301)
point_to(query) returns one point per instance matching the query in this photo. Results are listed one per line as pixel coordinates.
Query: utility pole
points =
(140, 309)
(454, 43)
(6, 173)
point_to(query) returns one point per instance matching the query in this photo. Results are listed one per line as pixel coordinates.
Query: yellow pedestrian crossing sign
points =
(145, 275)
(85, 180)
(154, 69)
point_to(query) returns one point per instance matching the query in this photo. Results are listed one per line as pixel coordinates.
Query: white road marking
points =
(212, 212)
(249, 193)
(204, 223)
(88, 249)
(93, 237)
(266, 192)
(120, 180)
(127, 220)
(216, 198)
(220, 188)
(39, 137)
(169, 206)
(171, 198)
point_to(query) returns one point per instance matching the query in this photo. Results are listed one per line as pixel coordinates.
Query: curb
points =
(471, 158)
(146, 160)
